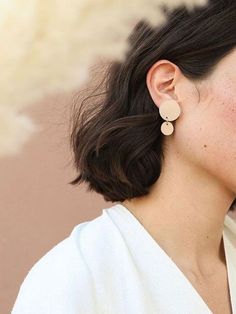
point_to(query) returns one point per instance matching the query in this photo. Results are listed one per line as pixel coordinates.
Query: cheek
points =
(228, 117)
(207, 135)
(225, 107)
(218, 142)
(222, 125)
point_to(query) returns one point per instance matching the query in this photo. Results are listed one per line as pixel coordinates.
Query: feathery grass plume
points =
(48, 46)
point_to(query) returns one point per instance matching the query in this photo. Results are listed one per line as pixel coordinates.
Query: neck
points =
(185, 212)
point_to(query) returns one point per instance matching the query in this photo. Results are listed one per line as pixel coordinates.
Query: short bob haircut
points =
(116, 139)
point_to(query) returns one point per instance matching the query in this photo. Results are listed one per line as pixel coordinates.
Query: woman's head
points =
(117, 143)
(205, 131)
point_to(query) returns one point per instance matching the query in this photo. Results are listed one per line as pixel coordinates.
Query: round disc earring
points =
(169, 110)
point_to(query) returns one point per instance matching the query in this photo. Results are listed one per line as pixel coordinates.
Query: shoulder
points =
(54, 283)
(64, 279)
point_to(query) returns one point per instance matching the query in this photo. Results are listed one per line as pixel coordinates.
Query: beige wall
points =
(38, 207)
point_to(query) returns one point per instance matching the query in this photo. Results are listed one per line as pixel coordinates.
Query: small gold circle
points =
(167, 128)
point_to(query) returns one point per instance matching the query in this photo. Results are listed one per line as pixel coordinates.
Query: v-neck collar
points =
(230, 253)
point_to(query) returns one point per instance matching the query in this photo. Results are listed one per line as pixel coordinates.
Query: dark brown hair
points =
(116, 139)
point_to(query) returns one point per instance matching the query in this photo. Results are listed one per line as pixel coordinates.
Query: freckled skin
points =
(209, 122)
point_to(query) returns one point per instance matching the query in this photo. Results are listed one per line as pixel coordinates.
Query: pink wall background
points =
(38, 208)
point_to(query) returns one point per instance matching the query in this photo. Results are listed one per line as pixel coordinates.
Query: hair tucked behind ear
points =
(116, 138)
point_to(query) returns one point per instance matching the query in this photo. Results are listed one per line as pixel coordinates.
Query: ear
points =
(161, 80)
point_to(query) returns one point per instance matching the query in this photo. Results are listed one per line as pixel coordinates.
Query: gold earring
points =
(169, 110)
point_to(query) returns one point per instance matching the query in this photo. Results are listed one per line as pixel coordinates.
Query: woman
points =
(162, 144)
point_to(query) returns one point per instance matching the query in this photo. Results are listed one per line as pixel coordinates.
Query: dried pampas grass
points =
(48, 46)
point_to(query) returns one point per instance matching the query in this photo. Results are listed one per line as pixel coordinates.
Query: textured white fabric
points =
(112, 265)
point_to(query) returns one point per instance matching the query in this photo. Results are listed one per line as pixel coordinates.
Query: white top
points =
(112, 265)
